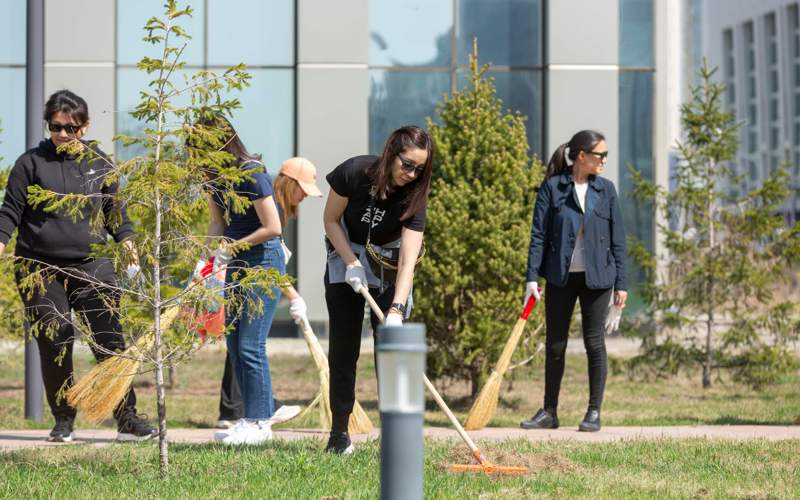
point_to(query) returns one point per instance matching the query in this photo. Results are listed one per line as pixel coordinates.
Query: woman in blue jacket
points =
(578, 246)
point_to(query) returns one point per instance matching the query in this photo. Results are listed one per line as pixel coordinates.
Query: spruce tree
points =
(712, 297)
(469, 288)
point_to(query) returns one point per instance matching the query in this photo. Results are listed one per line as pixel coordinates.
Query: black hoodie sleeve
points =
(114, 211)
(16, 197)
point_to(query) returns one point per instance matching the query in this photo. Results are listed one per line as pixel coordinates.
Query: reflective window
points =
(636, 33)
(265, 120)
(12, 114)
(256, 32)
(636, 149)
(12, 32)
(508, 33)
(398, 98)
(132, 17)
(410, 32)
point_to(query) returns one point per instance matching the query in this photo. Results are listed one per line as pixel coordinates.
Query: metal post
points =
(401, 365)
(34, 109)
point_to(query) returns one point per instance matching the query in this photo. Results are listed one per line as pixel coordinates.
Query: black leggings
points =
(48, 313)
(346, 316)
(559, 305)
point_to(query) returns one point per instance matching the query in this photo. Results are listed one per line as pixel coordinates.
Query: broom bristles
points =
(359, 422)
(485, 404)
(101, 390)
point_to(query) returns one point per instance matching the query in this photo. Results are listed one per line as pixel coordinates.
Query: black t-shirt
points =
(350, 181)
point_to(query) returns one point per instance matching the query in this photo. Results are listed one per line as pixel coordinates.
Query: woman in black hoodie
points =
(59, 247)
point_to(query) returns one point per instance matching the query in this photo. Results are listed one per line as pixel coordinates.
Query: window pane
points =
(12, 31)
(131, 18)
(12, 115)
(636, 33)
(410, 32)
(519, 91)
(636, 149)
(509, 33)
(255, 32)
(265, 120)
(401, 98)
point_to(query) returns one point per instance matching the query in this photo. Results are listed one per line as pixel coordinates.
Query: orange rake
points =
(483, 464)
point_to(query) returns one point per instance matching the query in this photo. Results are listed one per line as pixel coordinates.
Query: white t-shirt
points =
(578, 264)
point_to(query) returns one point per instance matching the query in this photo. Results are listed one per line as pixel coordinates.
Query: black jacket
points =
(53, 235)
(557, 216)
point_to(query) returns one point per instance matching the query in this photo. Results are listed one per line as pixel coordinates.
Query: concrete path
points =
(16, 439)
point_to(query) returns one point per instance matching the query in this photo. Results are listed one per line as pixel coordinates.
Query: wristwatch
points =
(400, 307)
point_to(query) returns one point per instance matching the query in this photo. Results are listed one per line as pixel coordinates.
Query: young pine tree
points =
(467, 290)
(164, 189)
(712, 296)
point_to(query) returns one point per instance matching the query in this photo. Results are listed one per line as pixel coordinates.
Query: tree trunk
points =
(475, 382)
(172, 380)
(710, 280)
(709, 332)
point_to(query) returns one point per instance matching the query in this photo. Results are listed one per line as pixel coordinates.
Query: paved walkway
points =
(15, 439)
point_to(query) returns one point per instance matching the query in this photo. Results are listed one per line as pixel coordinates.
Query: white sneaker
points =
(250, 432)
(220, 435)
(259, 433)
(284, 414)
(225, 424)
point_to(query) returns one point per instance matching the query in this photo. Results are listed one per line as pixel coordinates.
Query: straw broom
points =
(485, 404)
(483, 465)
(359, 421)
(104, 387)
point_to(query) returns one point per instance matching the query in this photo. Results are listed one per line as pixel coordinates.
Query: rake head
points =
(487, 467)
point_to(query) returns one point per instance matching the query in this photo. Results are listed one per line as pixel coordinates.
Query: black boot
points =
(591, 421)
(544, 419)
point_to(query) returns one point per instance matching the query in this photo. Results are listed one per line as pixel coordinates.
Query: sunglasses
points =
(409, 166)
(57, 127)
(598, 154)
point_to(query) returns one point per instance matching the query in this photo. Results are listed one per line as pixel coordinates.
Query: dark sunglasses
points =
(57, 127)
(598, 154)
(409, 166)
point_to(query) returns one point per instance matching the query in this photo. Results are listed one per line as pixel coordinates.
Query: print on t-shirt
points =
(379, 214)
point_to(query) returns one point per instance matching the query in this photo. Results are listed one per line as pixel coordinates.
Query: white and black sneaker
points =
(133, 427)
(339, 443)
(63, 430)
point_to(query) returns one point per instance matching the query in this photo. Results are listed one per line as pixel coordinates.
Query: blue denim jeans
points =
(247, 340)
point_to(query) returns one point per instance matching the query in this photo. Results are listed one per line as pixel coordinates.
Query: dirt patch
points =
(535, 462)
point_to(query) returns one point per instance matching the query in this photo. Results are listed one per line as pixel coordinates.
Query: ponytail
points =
(558, 162)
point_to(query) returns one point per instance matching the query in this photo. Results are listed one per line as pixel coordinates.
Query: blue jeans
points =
(247, 340)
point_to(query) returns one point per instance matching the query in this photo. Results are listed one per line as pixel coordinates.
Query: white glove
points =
(222, 258)
(612, 318)
(532, 288)
(132, 270)
(393, 319)
(356, 276)
(298, 310)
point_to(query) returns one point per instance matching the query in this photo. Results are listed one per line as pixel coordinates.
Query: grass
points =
(694, 468)
(678, 401)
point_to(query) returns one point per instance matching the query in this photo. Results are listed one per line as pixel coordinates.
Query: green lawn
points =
(657, 469)
(679, 401)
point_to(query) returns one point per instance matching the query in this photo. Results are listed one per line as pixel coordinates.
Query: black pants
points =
(346, 316)
(231, 406)
(559, 305)
(84, 287)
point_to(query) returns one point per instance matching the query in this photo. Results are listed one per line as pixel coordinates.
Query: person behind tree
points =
(258, 229)
(374, 221)
(58, 246)
(578, 245)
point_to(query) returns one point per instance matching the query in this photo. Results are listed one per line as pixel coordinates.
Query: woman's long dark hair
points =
(231, 143)
(380, 174)
(68, 103)
(585, 140)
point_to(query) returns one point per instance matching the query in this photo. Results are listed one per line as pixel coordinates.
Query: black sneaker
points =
(62, 431)
(544, 419)
(591, 422)
(339, 443)
(133, 427)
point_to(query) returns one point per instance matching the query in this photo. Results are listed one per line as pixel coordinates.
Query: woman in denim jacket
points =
(578, 246)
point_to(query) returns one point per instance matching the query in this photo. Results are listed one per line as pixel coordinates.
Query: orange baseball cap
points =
(304, 172)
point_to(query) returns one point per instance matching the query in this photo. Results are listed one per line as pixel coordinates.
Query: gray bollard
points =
(401, 365)
(34, 390)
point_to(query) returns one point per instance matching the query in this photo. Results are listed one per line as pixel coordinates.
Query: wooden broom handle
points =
(453, 420)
